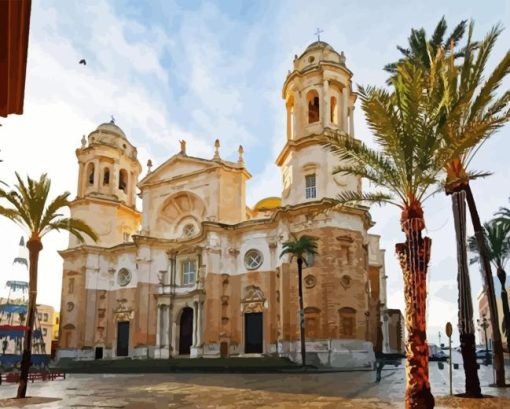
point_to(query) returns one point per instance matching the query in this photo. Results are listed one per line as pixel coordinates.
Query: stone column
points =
(345, 104)
(158, 327)
(81, 178)
(200, 323)
(325, 104)
(195, 321)
(165, 325)
(169, 329)
(351, 121)
(97, 175)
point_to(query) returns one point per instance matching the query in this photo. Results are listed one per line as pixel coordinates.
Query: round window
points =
(70, 306)
(311, 59)
(188, 230)
(124, 277)
(253, 259)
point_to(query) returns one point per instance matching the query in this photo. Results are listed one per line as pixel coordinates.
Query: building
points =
(396, 326)
(484, 311)
(45, 321)
(198, 273)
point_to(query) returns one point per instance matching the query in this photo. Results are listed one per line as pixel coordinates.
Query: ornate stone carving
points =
(253, 300)
(123, 312)
(224, 299)
(310, 281)
(347, 239)
(345, 281)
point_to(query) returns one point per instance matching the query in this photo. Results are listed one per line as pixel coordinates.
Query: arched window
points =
(310, 186)
(313, 106)
(347, 316)
(106, 176)
(334, 111)
(188, 230)
(90, 173)
(123, 180)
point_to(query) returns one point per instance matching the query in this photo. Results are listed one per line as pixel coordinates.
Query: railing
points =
(13, 377)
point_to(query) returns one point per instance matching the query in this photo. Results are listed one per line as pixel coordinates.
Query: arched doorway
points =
(186, 331)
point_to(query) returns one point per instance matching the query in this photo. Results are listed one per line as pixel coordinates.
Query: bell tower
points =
(319, 100)
(106, 193)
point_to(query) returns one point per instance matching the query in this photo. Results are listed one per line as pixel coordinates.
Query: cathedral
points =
(198, 273)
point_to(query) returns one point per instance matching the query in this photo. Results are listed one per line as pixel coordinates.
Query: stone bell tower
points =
(319, 100)
(106, 194)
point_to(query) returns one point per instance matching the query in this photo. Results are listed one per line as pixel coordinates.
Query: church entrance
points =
(123, 338)
(253, 333)
(186, 331)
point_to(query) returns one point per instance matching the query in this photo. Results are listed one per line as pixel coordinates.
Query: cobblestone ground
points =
(319, 390)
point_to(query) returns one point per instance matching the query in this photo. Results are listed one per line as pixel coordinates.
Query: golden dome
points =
(268, 203)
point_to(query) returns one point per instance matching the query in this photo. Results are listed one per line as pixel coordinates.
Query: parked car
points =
(438, 356)
(483, 354)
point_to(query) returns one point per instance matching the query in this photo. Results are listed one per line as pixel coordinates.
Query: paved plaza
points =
(316, 390)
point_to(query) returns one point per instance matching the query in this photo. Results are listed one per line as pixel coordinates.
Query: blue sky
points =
(170, 70)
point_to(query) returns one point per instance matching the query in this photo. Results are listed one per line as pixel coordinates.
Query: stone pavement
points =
(230, 391)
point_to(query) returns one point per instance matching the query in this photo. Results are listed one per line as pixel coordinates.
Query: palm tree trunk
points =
(504, 303)
(465, 302)
(414, 256)
(301, 311)
(499, 365)
(34, 248)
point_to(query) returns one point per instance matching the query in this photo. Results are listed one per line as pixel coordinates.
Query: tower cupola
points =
(319, 100)
(109, 167)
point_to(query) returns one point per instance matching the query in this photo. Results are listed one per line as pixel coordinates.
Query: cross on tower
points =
(318, 33)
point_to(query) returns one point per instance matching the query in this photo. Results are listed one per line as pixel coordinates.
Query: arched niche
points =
(178, 210)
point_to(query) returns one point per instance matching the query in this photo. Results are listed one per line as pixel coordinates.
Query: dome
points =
(319, 44)
(110, 127)
(268, 203)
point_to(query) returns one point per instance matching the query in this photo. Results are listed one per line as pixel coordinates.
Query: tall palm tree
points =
(472, 110)
(420, 48)
(29, 207)
(469, 108)
(407, 169)
(300, 248)
(497, 236)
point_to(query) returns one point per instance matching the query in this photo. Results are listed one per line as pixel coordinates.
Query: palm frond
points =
(76, 227)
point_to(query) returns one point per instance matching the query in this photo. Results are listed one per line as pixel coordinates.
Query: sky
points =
(186, 69)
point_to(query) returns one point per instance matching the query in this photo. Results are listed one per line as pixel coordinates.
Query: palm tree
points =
(497, 236)
(300, 248)
(472, 111)
(408, 168)
(469, 108)
(28, 206)
(420, 49)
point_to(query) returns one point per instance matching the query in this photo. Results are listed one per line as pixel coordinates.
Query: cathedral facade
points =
(198, 273)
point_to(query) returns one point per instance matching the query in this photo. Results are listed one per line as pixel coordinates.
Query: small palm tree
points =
(300, 248)
(28, 206)
(497, 237)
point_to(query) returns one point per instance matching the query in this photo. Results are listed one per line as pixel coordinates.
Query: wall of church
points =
(112, 223)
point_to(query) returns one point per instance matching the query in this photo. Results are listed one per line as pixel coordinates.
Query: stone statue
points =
(83, 142)
(183, 147)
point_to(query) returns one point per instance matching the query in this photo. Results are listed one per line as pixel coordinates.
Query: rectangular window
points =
(45, 332)
(189, 268)
(311, 190)
(45, 317)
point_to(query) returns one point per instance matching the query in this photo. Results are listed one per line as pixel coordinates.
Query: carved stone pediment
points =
(253, 294)
(123, 312)
(253, 300)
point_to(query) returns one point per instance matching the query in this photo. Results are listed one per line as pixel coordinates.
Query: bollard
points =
(440, 365)
(455, 366)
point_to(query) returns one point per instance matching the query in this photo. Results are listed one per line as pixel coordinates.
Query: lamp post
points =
(484, 324)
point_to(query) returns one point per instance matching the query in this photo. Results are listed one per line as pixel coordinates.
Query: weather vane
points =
(318, 34)
(112, 121)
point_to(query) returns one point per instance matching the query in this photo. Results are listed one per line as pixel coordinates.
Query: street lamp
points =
(484, 323)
